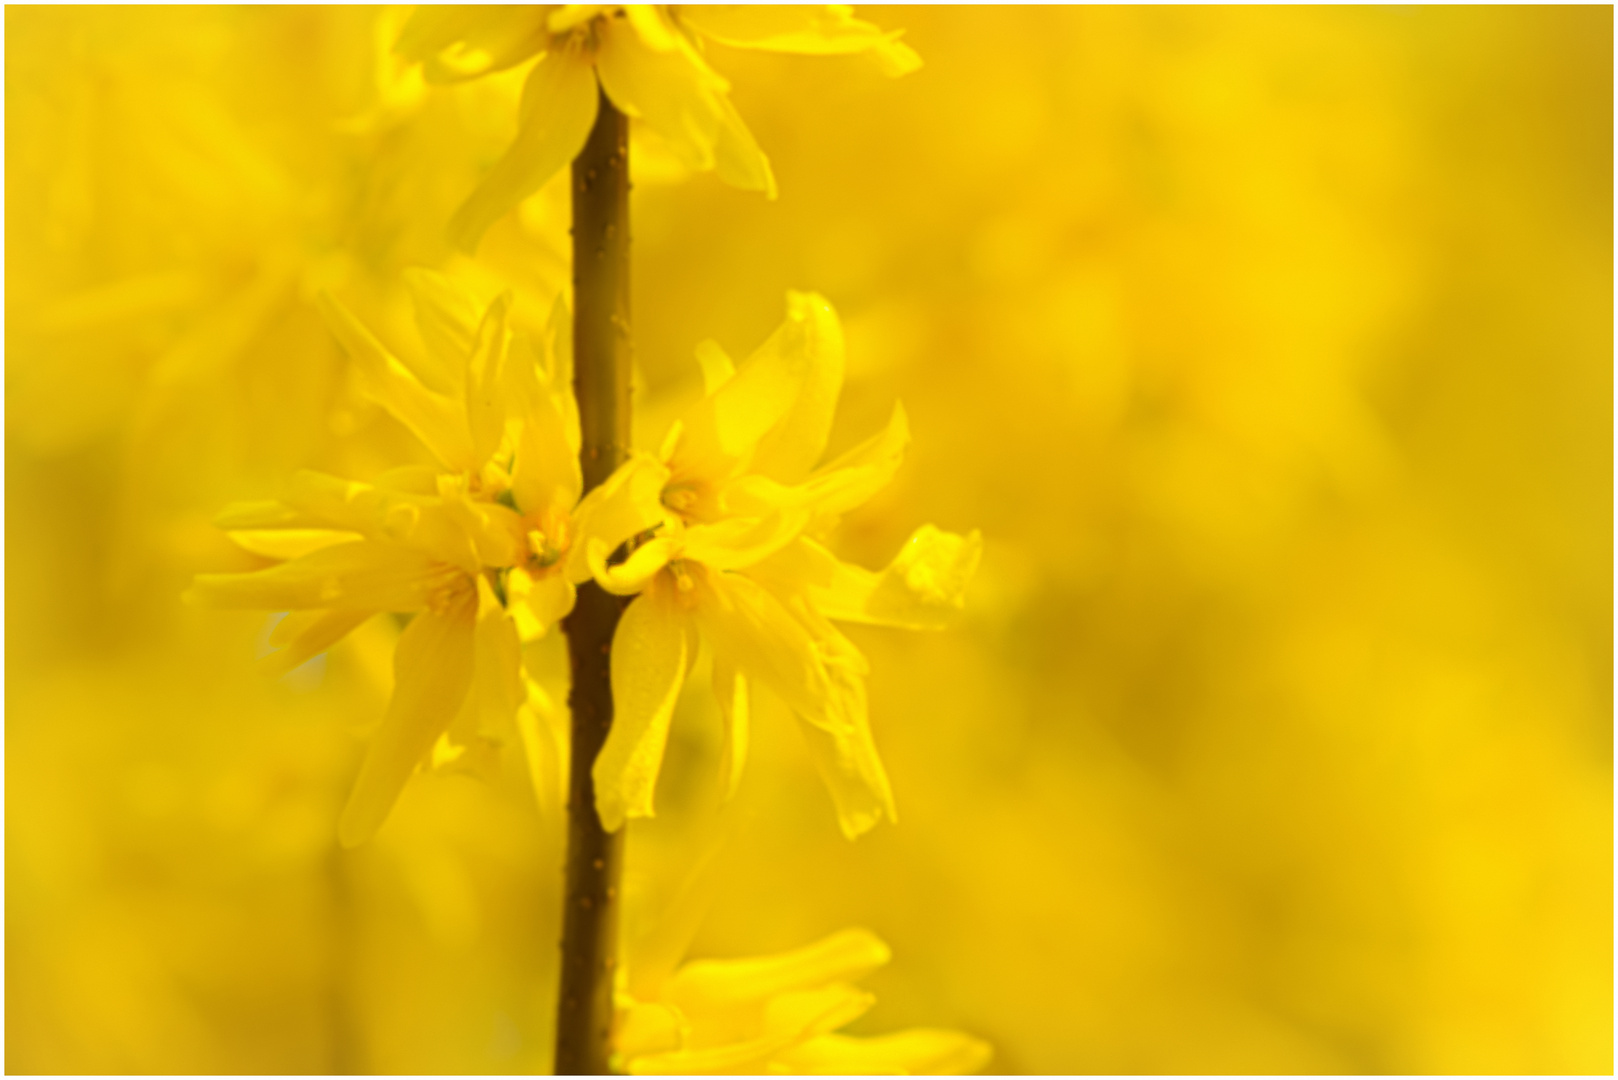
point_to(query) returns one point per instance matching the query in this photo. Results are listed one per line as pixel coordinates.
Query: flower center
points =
(451, 593)
(682, 498)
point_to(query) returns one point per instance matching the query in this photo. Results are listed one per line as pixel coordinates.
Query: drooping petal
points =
(650, 653)
(304, 635)
(730, 688)
(675, 93)
(497, 689)
(464, 42)
(432, 418)
(362, 575)
(558, 109)
(915, 1052)
(433, 665)
(752, 631)
(486, 404)
(708, 985)
(846, 755)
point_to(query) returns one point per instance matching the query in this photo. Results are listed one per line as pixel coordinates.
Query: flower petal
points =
(737, 157)
(497, 686)
(816, 30)
(263, 514)
(717, 367)
(447, 318)
(776, 409)
(427, 524)
(558, 109)
(651, 24)
(432, 418)
(916, 1052)
(467, 41)
(304, 635)
(737, 543)
(751, 630)
(485, 381)
(433, 665)
(359, 575)
(834, 488)
(626, 505)
(807, 1013)
(708, 985)
(650, 653)
(730, 687)
(543, 730)
(538, 602)
(289, 543)
(545, 477)
(634, 573)
(811, 340)
(924, 587)
(847, 759)
(675, 93)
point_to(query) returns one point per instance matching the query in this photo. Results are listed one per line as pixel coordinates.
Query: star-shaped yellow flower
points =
(733, 562)
(648, 60)
(473, 546)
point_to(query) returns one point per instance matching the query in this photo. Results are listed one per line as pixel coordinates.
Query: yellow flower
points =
(733, 561)
(779, 1014)
(354, 550)
(474, 546)
(648, 60)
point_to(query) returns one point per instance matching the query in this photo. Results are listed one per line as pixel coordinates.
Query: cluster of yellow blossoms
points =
(720, 537)
(486, 547)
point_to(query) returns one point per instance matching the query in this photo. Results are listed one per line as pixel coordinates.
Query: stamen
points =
(680, 498)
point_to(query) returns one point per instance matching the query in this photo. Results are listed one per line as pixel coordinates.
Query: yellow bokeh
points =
(1270, 349)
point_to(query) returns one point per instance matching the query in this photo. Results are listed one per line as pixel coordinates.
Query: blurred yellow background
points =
(1271, 350)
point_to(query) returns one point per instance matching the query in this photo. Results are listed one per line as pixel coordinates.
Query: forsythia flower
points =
(472, 546)
(779, 1014)
(648, 61)
(733, 559)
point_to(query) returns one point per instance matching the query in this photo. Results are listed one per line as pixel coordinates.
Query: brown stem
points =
(601, 382)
